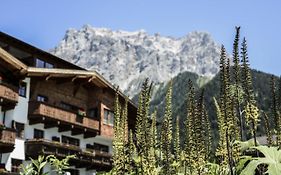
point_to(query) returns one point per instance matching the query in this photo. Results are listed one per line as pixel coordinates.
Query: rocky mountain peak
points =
(127, 58)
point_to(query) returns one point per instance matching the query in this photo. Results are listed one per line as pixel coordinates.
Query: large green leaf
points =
(272, 158)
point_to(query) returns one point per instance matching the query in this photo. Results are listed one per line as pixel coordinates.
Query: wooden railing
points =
(37, 147)
(54, 112)
(7, 139)
(7, 136)
(8, 93)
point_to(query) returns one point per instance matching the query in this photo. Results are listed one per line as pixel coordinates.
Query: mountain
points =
(261, 85)
(127, 58)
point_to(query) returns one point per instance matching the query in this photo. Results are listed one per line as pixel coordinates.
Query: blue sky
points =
(43, 23)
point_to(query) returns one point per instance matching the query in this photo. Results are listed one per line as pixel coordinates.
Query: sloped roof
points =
(26, 71)
(12, 62)
(34, 50)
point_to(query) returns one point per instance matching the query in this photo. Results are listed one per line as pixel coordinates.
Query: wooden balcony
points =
(90, 159)
(7, 139)
(8, 96)
(53, 116)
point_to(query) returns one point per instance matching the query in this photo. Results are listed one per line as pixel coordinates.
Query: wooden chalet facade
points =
(50, 106)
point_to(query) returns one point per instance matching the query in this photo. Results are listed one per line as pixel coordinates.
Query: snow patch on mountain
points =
(127, 58)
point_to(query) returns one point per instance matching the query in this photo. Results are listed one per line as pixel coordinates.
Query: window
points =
(93, 113)
(55, 138)
(42, 98)
(19, 127)
(101, 147)
(66, 106)
(48, 65)
(42, 64)
(38, 134)
(70, 140)
(16, 165)
(22, 89)
(69, 107)
(108, 117)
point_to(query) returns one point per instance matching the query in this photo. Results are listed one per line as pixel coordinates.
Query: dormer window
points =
(43, 64)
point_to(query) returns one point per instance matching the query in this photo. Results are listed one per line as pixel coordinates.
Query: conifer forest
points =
(233, 147)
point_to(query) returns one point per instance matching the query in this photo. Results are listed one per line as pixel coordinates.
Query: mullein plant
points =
(207, 133)
(275, 112)
(236, 82)
(190, 140)
(251, 111)
(176, 141)
(166, 133)
(267, 128)
(197, 143)
(120, 138)
(225, 107)
(143, 130)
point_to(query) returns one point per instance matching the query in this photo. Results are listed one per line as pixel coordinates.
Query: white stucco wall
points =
(19, 114)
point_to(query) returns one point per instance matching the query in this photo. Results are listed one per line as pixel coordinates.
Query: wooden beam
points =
(63, 128)
(74, 78)
(35, 120)
(51, 124)
(90, 134)
(77, 131)
(11, 60)
(48, 77)
(91, 79)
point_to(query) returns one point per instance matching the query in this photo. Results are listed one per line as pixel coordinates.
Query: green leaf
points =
(251, 167)
(272, 159)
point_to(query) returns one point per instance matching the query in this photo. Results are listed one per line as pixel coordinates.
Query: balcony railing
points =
(7, 139)
(40, 112)
(84, 158)
(8, 95)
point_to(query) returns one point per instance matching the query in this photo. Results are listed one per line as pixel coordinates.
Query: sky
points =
(43, 23)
